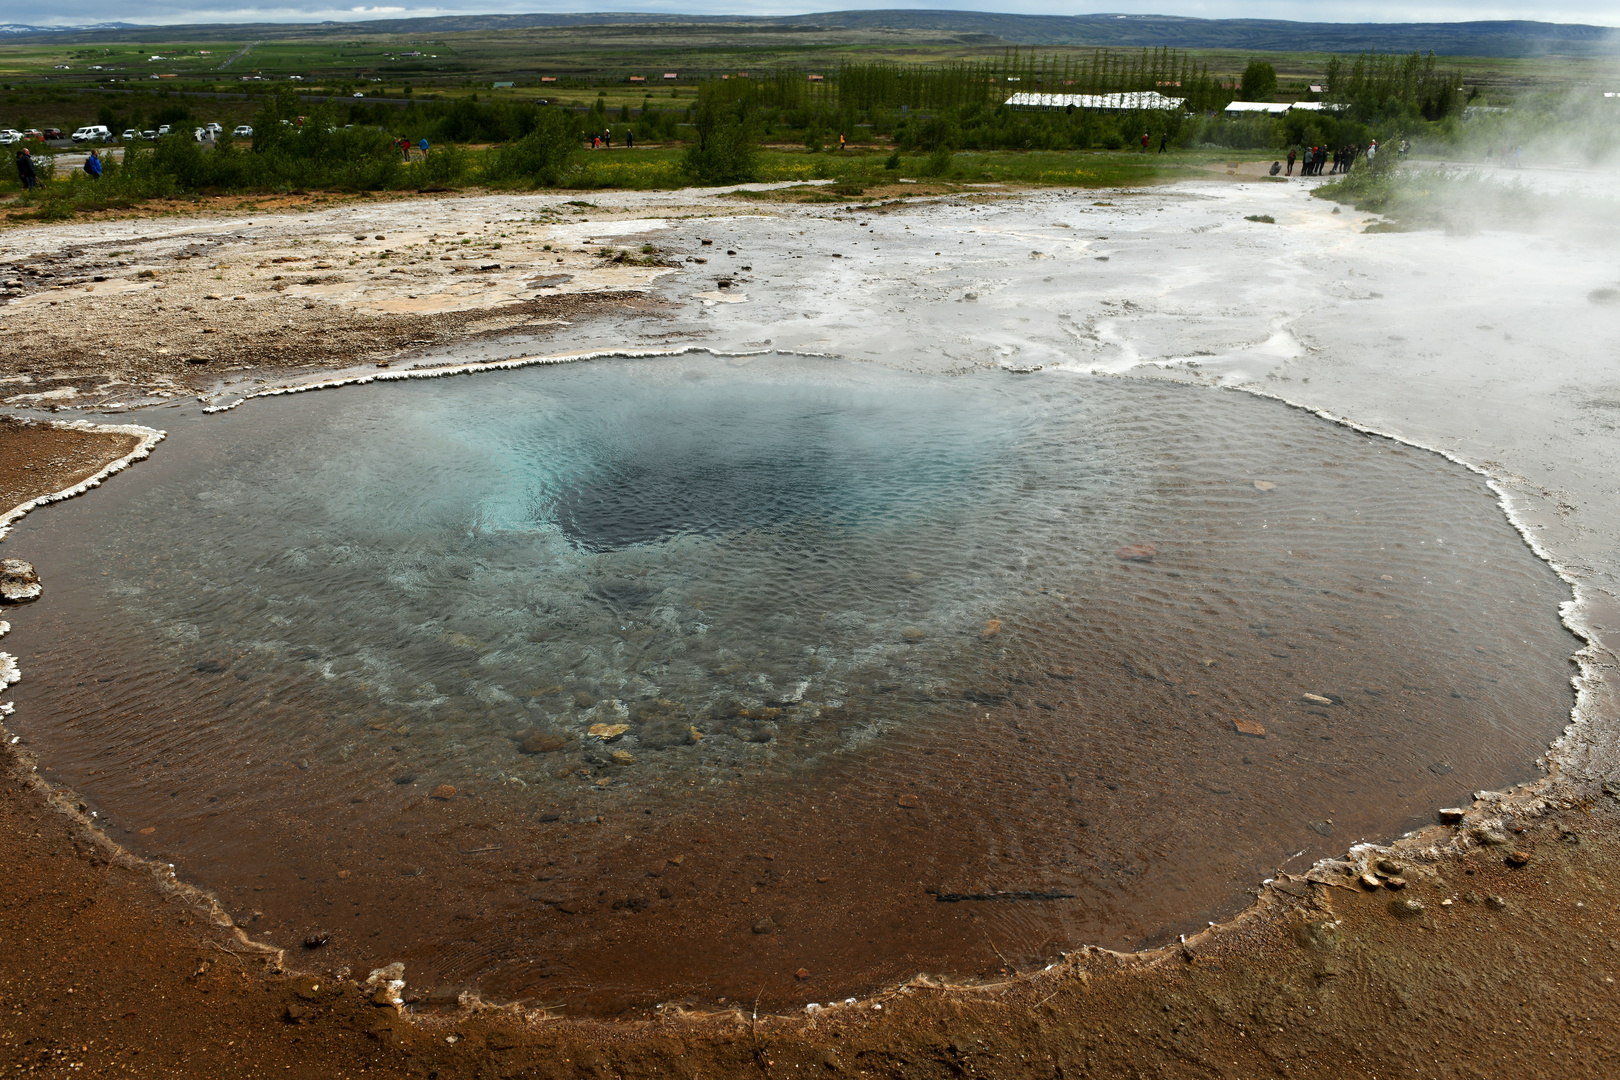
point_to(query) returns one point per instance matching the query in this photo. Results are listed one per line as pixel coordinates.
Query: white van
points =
(93, 133)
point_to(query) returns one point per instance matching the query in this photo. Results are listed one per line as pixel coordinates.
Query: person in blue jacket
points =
(92, 165)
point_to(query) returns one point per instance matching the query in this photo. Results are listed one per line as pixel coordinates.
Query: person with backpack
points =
(92, 165)
(1290, 161)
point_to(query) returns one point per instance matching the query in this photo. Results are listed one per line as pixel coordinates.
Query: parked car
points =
(214, 130)
(243, 131)
(130, 134)
(34, 135)
(148, 134)
(93, 133)
(163, 129)
(8, 136)
(54, 133)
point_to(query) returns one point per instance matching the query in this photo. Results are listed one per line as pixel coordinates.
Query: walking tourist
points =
(25, 169)
(1290, 161)
(92, 165)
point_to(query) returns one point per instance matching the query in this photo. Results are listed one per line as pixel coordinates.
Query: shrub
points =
(541, 157)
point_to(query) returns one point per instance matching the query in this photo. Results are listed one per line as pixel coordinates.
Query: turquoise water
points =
(629, 681)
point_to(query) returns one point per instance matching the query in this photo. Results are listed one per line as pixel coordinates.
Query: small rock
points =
(296, 1013)
(406, 779)
(570, 907)
(663, 734)
(1406, 909)
(624, 757)
(541, 742)
(1249, 728)
(343, 874)
(914, 633)
(1495, 903)
(1320, 828)
(384, 996)
(608, 732)
(18, 582)
(1517, 857)
(765, 926)
(908, 801)
(1389, 866)
(1451, 815)
(992, 627)
(1369, 881)
(1395, 882)
(315, 941)
(1486, 835)
(1137, 552)
(802, 974)
(1317, 699)
(1264, 485)
(443, 791)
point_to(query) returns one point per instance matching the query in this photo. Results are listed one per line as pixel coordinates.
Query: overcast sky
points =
(69, 12)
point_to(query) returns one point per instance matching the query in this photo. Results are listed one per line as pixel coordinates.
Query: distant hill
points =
(1518, 38)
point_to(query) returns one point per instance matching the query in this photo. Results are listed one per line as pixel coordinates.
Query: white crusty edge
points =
(440, 371)
(149, 437)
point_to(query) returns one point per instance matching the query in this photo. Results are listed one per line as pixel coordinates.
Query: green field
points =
(63, 83)
(516, 108)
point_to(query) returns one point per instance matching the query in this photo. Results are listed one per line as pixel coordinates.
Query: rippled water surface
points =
(741, 670)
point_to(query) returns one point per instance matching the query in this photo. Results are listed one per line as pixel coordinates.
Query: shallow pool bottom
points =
(648, 680)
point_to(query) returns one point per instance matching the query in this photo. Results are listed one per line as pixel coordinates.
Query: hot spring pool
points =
(740, 668)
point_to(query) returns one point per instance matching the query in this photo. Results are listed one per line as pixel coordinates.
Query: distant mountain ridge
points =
(19, 28)
(1506, 38)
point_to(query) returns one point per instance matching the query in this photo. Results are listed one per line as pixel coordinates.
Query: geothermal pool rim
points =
(1557, 786)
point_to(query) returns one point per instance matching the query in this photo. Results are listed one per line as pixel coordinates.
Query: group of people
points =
(604, 139)
(29, 174)
(404, 147)
(1315, 158)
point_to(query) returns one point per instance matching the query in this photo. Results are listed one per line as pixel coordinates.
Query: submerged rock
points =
(18, 582)
(663, 734)
(535, 741)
